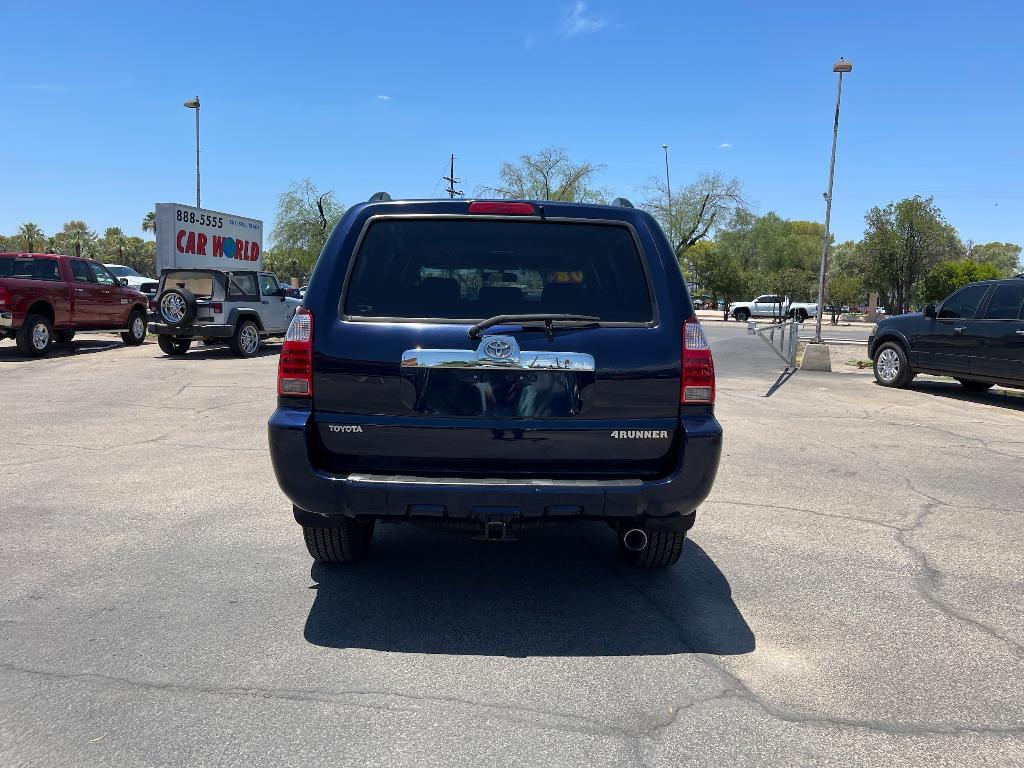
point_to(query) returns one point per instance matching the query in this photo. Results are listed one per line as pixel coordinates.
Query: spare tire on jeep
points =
(176, 306)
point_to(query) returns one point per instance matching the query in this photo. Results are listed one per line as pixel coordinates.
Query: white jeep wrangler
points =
(238, 307)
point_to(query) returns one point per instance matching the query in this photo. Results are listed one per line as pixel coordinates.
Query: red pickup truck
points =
(47, 297)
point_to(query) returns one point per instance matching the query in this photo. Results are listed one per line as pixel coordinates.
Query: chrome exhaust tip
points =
(635, 540)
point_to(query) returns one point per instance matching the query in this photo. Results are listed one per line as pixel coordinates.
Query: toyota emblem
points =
(499, 349)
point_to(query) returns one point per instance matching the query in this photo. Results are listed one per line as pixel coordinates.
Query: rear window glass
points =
(1007, 302)
(472, 270)
(29, 269)
(200, 283)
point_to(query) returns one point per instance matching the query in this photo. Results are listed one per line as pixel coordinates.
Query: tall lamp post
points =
(194, 104)
(841, 67)
(668, 188)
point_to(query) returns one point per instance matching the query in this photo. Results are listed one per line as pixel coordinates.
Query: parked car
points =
(772, 306)
(48, 297)
(411, 388)
(133, 279)
(976, 335)
(237, 306)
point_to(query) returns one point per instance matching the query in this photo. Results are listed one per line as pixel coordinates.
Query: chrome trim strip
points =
(497, 353)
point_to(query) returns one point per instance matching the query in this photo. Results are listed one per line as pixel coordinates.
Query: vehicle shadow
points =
(202, 352)
(558, 592)
(9, 353)
(997, 396)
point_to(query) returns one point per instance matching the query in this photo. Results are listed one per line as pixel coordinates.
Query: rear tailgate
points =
(399, 386)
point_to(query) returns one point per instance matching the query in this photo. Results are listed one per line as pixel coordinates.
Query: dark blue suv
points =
(488, 366)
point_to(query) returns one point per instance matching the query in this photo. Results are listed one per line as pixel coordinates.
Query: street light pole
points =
(668, 188)
(842, 66)
(194, 104)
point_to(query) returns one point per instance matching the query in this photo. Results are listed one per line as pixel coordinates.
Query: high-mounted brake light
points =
(698, 384)
(500, 207)
(295, 366)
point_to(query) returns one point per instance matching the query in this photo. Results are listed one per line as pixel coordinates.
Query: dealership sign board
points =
(188, 237)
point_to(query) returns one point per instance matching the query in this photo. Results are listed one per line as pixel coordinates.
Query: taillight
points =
(698, 366)
(501, 207)
(218, 307)
(4, 297)
(295, 368)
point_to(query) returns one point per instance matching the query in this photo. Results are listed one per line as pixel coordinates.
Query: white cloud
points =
(382, 97)
(725, 145)
(580, 22)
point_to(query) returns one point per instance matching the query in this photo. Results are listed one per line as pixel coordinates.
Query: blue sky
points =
(362, 97)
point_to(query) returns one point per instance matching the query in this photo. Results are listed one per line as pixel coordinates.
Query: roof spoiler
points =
(379, 197)
(622, 202)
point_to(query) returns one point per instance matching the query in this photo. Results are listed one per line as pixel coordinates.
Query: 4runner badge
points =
(344, 428)
(641, 434)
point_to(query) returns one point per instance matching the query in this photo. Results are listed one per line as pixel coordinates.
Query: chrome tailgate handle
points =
(498, 353)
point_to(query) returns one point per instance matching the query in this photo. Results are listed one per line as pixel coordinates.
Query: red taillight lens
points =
(499, 207)
(4, 297)
(295, 368)
(698, 366)
(218, 308)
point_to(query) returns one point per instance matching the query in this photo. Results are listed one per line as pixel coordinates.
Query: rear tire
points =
(172, 346)
(348, 543)
(892, 369)
(663, 549)
(975, 386)
(136, 333)
(35, 337)
(742, 315)
(246, 341)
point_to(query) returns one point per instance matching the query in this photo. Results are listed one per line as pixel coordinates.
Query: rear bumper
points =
(322, 498)
(204, 331)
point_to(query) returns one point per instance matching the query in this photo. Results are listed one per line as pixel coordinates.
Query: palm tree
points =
(31, 234)
(149, 223)
(77, 235)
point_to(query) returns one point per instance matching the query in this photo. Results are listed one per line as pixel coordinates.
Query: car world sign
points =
(195, 237)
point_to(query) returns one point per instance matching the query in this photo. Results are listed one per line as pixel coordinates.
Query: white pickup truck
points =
(772, 306)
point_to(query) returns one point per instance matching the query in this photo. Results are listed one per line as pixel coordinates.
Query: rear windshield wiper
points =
(548, 320)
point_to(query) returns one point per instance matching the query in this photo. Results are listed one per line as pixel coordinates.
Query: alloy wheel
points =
(888, 365)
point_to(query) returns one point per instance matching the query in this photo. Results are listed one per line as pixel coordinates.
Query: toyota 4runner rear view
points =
(488, 366)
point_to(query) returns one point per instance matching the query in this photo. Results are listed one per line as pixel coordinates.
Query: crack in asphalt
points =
(738, 689)
(928, 578)
(377, 700)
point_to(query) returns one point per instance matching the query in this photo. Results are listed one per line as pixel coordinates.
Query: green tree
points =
(1005, 257)
(76, 238)
(720, 272)
(903, 242)
(149, 222)
(696, 211)
(305, 218)
(29, 236)
(550, 174)
(840, 291)
(948, 276)
(112, 245)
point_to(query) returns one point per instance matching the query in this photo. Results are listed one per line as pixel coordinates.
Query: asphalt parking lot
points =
(851, 594)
